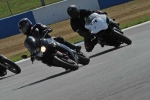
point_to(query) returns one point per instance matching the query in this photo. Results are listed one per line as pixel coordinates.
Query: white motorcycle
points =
(105, 30)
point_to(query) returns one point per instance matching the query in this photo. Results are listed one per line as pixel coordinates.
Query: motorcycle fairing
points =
(96, 22)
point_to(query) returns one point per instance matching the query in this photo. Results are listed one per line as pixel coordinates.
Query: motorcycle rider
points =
(25, 26)
(77, 22)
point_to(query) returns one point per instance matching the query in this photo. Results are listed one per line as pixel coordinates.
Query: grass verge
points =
(142, 20)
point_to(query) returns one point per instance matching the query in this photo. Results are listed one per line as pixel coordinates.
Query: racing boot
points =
(102, 44)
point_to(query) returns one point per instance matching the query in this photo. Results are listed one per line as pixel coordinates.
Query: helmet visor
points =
(25, 28)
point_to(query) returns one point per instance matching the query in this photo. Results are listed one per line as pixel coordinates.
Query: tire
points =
(122, 38)
(11, 66)
(83, 59)
(67, 64)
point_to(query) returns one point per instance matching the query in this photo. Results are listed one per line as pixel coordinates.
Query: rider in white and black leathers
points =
(77, 22)
(25, 26)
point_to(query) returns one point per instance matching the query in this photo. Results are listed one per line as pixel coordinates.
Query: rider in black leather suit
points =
(77, 22)
(25, 26)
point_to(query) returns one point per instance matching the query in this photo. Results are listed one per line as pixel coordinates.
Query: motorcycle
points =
(5, 63)
(105, 30)
(53, 53)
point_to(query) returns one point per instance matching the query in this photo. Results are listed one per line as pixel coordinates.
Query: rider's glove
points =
(47, 30)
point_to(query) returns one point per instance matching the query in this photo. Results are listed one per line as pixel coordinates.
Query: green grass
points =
(18, 56)
(18, 6)
(142, 20)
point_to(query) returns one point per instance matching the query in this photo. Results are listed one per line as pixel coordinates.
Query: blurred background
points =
(11, 7)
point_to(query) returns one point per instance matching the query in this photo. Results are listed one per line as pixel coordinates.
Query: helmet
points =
(33, 44)
(24, 25)
(73, 11)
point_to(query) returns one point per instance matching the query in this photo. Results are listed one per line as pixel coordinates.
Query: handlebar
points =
(46, 31)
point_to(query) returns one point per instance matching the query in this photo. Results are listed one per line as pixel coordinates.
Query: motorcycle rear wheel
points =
(64, 63)
(11, 66)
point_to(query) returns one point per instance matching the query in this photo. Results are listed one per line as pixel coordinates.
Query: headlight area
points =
(43, 49)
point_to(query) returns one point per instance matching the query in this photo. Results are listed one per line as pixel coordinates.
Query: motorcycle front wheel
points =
(65, 63)
(83, 59)
(122, 38)
(11, 66)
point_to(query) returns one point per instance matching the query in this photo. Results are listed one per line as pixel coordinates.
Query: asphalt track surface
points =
(113, 74)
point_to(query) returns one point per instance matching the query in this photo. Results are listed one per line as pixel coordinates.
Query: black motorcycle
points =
(53, 53)
(105, 30)
(6, 64)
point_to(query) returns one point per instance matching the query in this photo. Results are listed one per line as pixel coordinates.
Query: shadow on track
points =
(4, 77)
(109, 50)
(50, 77)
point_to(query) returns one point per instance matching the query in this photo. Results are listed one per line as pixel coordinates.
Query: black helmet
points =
(33, 44)
(24, 25)
(73, 11)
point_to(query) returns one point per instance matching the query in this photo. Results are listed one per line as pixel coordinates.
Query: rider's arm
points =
(42, 28)
(77, 28)
(45, 29)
